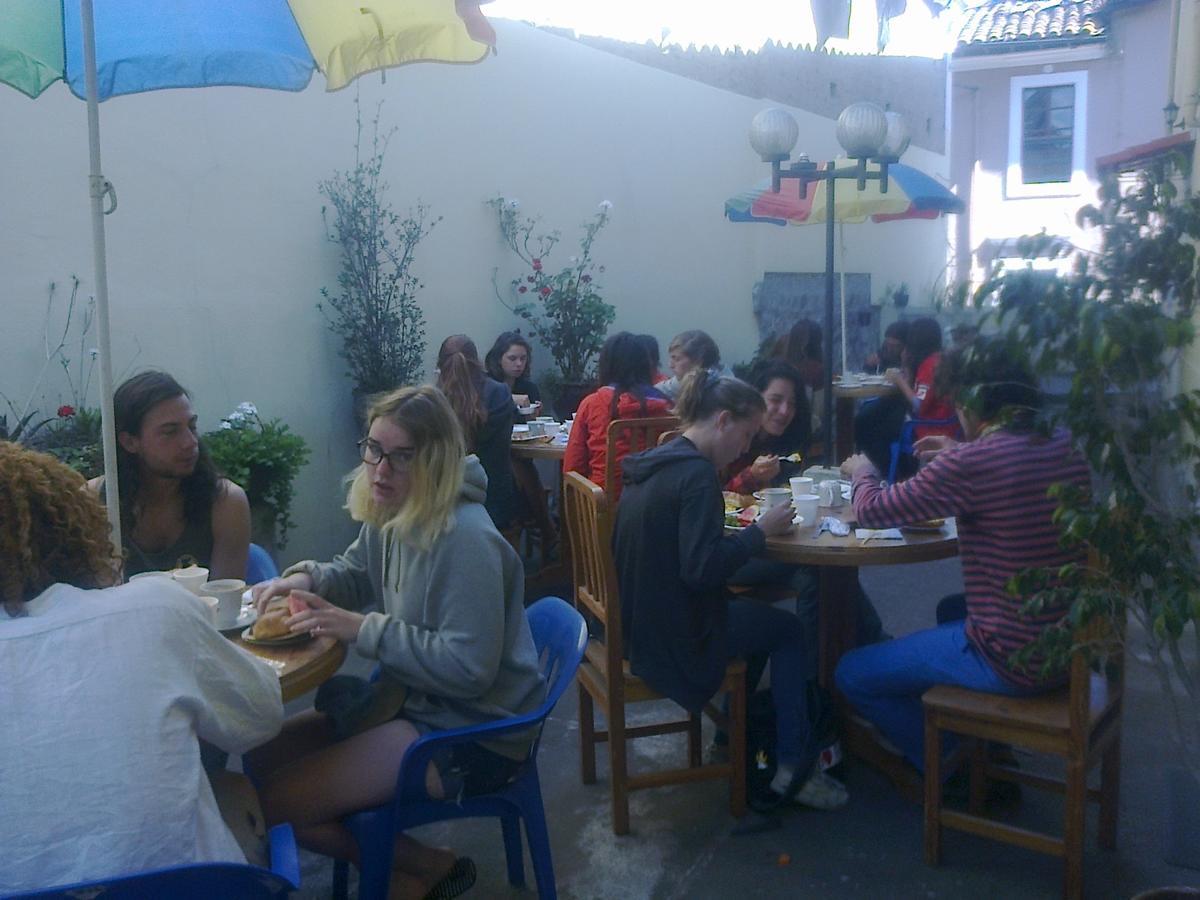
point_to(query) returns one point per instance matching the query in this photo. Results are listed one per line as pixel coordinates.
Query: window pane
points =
(1047, 133)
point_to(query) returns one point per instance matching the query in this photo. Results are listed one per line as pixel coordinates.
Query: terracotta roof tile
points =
(1032, 22)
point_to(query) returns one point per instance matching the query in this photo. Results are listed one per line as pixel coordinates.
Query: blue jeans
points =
(757, 632)
(884, 682)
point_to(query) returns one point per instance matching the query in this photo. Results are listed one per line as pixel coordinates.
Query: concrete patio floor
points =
(681, 845)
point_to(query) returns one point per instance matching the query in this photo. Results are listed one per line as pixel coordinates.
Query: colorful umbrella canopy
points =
(270, 43)
(911, 195)
(130, 46)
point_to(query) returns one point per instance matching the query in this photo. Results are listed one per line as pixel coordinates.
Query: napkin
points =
(878, 534)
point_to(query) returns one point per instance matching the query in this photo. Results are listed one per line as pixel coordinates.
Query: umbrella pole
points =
(98, 189)
(827, 415)
(842, 288)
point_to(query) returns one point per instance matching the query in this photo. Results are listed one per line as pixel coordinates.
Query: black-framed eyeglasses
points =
(400, 459)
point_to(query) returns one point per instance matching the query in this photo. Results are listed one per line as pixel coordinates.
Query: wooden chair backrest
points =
(631, 436)
(590, 525)
(667, 436)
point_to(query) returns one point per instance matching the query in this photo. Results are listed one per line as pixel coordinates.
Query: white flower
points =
(514, 204)
(573, 260)
(606, 205)
(246, 408)
(94, 352)
(235, 418)
(226, 425)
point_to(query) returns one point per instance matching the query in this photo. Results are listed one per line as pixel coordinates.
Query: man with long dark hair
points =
(176, 509)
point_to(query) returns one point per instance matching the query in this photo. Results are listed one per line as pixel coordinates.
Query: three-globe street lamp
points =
(866, 132)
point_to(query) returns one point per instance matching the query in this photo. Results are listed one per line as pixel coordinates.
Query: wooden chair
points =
(667, 436)
(632, 436)
(604, 676)
(1080, 723)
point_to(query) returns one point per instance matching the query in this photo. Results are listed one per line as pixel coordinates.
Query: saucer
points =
(248, 616)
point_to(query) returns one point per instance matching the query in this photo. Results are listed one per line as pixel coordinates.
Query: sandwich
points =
(272, 624)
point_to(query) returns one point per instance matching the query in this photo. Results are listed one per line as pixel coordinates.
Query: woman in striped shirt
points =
(996, 485)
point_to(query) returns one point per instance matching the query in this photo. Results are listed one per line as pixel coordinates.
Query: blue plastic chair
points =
(905, 443)
(259, 565)
(195, 881)
(560, 635)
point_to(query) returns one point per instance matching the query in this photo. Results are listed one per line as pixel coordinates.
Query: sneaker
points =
(819, 791)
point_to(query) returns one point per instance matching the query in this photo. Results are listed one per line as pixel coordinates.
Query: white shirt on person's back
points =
(103, 694)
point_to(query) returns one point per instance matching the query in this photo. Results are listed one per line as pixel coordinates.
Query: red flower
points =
(537, 265)
(522, 289)
(65, 412)
(545, 292)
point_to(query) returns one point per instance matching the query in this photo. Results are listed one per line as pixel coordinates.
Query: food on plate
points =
(271, 624)
(733, 501)
(740, 518)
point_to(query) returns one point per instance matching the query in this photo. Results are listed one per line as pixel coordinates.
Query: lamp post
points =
(865, 132)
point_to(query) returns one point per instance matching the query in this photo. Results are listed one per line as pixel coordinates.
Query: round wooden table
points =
(845, 398)
(301, 667)
(837, 560)
(539, 448)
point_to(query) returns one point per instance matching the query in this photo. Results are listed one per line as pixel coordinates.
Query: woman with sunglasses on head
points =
(450, 636)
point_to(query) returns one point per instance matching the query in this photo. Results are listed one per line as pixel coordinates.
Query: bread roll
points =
(271, 624)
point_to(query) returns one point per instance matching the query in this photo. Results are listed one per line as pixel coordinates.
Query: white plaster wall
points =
(217, 252)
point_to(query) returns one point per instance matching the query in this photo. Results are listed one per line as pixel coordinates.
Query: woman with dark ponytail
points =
(486, 411)
(625, 393)
(673, 558)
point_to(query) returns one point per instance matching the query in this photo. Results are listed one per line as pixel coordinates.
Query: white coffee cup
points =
(806, 518)
(535, 428)
(228, 592)
(773, 497)
(212, 606)
(149, 575)
(801, 485)
(191, 578)
(830, 493)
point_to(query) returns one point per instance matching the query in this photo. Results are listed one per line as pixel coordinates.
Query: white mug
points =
(806, 511)
(830, 493)
(211, 605)
(228, 592)
(773, 497)
(801, 485)
(191, 578)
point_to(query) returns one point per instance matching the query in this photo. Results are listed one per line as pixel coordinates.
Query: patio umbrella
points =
(135, 45)
(911, 194)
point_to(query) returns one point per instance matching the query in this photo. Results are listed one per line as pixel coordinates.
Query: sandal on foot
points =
(459, 879)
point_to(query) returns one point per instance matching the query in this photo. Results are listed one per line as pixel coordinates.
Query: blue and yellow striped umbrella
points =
(147, 45)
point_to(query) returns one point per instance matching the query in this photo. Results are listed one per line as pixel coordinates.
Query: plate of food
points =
(741, 518)
(929, 525)
(271, 629)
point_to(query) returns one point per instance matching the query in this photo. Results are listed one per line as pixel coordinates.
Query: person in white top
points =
(106, 690)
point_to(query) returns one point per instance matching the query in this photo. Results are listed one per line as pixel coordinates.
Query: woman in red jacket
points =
(627, 393)
(922, 354)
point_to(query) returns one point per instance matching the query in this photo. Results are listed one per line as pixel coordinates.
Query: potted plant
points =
(375, 310)
(1118, 327)
(564, 308)
(263, 457)
(76, 439)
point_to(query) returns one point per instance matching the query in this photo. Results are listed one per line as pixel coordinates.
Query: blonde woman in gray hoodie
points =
(449, 630)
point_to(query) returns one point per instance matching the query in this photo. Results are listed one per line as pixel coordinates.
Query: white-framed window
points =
(1047, 135)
